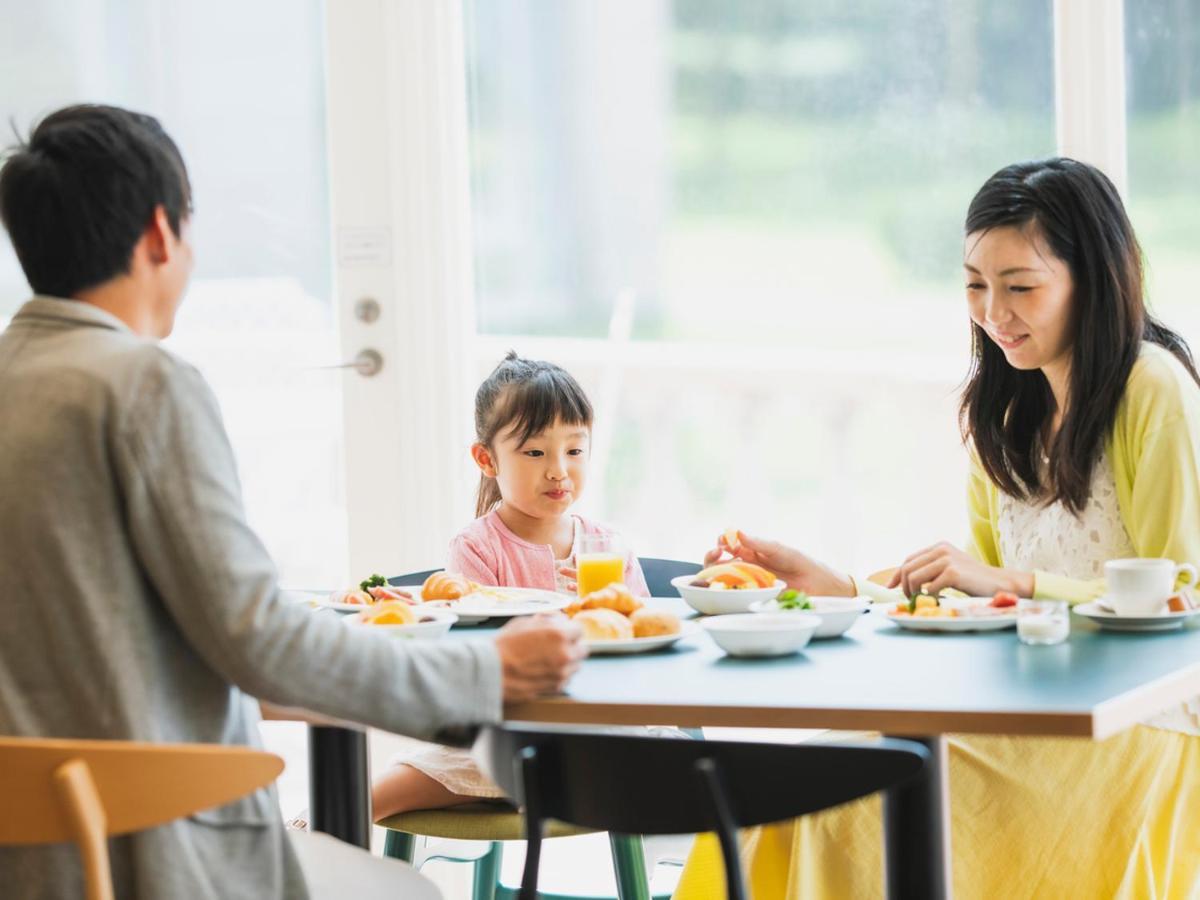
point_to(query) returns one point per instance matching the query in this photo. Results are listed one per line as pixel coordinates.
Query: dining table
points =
(877, 677)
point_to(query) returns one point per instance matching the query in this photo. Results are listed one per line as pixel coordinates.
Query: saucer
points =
(1099, 612)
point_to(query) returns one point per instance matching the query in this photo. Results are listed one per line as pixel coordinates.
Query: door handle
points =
(367, 363)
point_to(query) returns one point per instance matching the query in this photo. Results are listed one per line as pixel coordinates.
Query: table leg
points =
(916, 829)
(338, 790)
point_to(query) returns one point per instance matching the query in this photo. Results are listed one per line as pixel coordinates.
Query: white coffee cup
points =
(1141, 587)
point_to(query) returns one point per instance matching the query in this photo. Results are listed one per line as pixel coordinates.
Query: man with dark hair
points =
(141, 605)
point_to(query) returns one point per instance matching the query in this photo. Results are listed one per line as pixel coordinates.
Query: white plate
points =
(323, 601)
(342, 607)
(761, 634)
(712, 602)
(488, 602)
(955, 623)
(442, 620)
(837, 614)
(643, 644)
(960, 622)
(1108, 619)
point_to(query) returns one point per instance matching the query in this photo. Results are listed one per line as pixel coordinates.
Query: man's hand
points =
(538, 655)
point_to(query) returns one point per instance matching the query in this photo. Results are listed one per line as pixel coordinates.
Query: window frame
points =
(398, 131)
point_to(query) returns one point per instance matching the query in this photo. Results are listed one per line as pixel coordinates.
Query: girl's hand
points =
(799, 571)
(945, 566)
(572, 576)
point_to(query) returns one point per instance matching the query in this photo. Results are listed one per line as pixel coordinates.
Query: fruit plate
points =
(642, 644)
(716, 602)
(437, 622)
(1109, 620)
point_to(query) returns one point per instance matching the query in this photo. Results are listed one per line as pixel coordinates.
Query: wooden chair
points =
(626, 783)
(84, 791)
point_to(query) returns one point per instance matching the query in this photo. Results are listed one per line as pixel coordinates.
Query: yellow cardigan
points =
(1154, 449)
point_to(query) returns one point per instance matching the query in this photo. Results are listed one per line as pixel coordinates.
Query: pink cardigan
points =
(488, 552)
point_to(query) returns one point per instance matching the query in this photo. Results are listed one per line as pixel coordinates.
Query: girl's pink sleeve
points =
(466, 558)
(634, 579)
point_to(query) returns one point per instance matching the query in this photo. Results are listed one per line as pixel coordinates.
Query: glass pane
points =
(241, 89)
(1162, 39)
(775, 191)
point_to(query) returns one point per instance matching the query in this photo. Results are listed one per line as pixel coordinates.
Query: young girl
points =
(532, 441)
(1082, 418)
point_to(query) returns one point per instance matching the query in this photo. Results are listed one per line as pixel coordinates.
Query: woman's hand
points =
(945, 566)
(799, 571)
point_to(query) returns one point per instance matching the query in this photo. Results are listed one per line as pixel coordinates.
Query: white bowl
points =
(837, 614)
(438, 626)
(761, 634)
(716, 602)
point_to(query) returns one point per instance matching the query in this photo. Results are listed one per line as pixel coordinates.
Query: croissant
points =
(615, 597)
(446, 586)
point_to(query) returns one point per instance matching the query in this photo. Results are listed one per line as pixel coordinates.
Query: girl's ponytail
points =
(487, 497)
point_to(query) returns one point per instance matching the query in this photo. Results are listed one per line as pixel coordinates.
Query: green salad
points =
(375, 580)
(791, 599)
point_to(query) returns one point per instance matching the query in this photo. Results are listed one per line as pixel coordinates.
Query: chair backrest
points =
(411, 579)
(643, 785)
(658, 572)
(83, 790)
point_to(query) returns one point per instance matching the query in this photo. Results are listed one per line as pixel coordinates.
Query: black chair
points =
(411, 579)
(487, 823)
(659, 573)
(642, 785)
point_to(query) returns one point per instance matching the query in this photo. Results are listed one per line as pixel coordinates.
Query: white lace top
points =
(1034, 537)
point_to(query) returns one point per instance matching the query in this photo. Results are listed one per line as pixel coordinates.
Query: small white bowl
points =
(837, 614)
(761, 634)
(717, 602)
(438, 626)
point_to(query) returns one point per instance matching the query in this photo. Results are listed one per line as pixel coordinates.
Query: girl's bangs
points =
(530, 407)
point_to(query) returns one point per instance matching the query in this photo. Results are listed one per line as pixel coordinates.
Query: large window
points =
(1162, 39)
(768, 198)
(241, 89)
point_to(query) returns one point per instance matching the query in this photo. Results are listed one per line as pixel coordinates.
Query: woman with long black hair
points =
(1082, 419)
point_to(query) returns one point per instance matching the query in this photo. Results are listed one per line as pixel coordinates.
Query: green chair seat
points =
(473, 822)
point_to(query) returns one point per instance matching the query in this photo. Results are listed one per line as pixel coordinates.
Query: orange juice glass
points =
(599, 563)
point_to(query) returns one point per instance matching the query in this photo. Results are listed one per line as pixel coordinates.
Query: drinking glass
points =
(598, 562)
(1043, 621)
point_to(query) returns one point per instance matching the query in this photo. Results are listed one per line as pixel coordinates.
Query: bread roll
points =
(615, 597)
(446, 586)
(654, 622)
(604, 625)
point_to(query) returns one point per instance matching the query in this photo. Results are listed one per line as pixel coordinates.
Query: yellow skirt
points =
(1030, 817)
